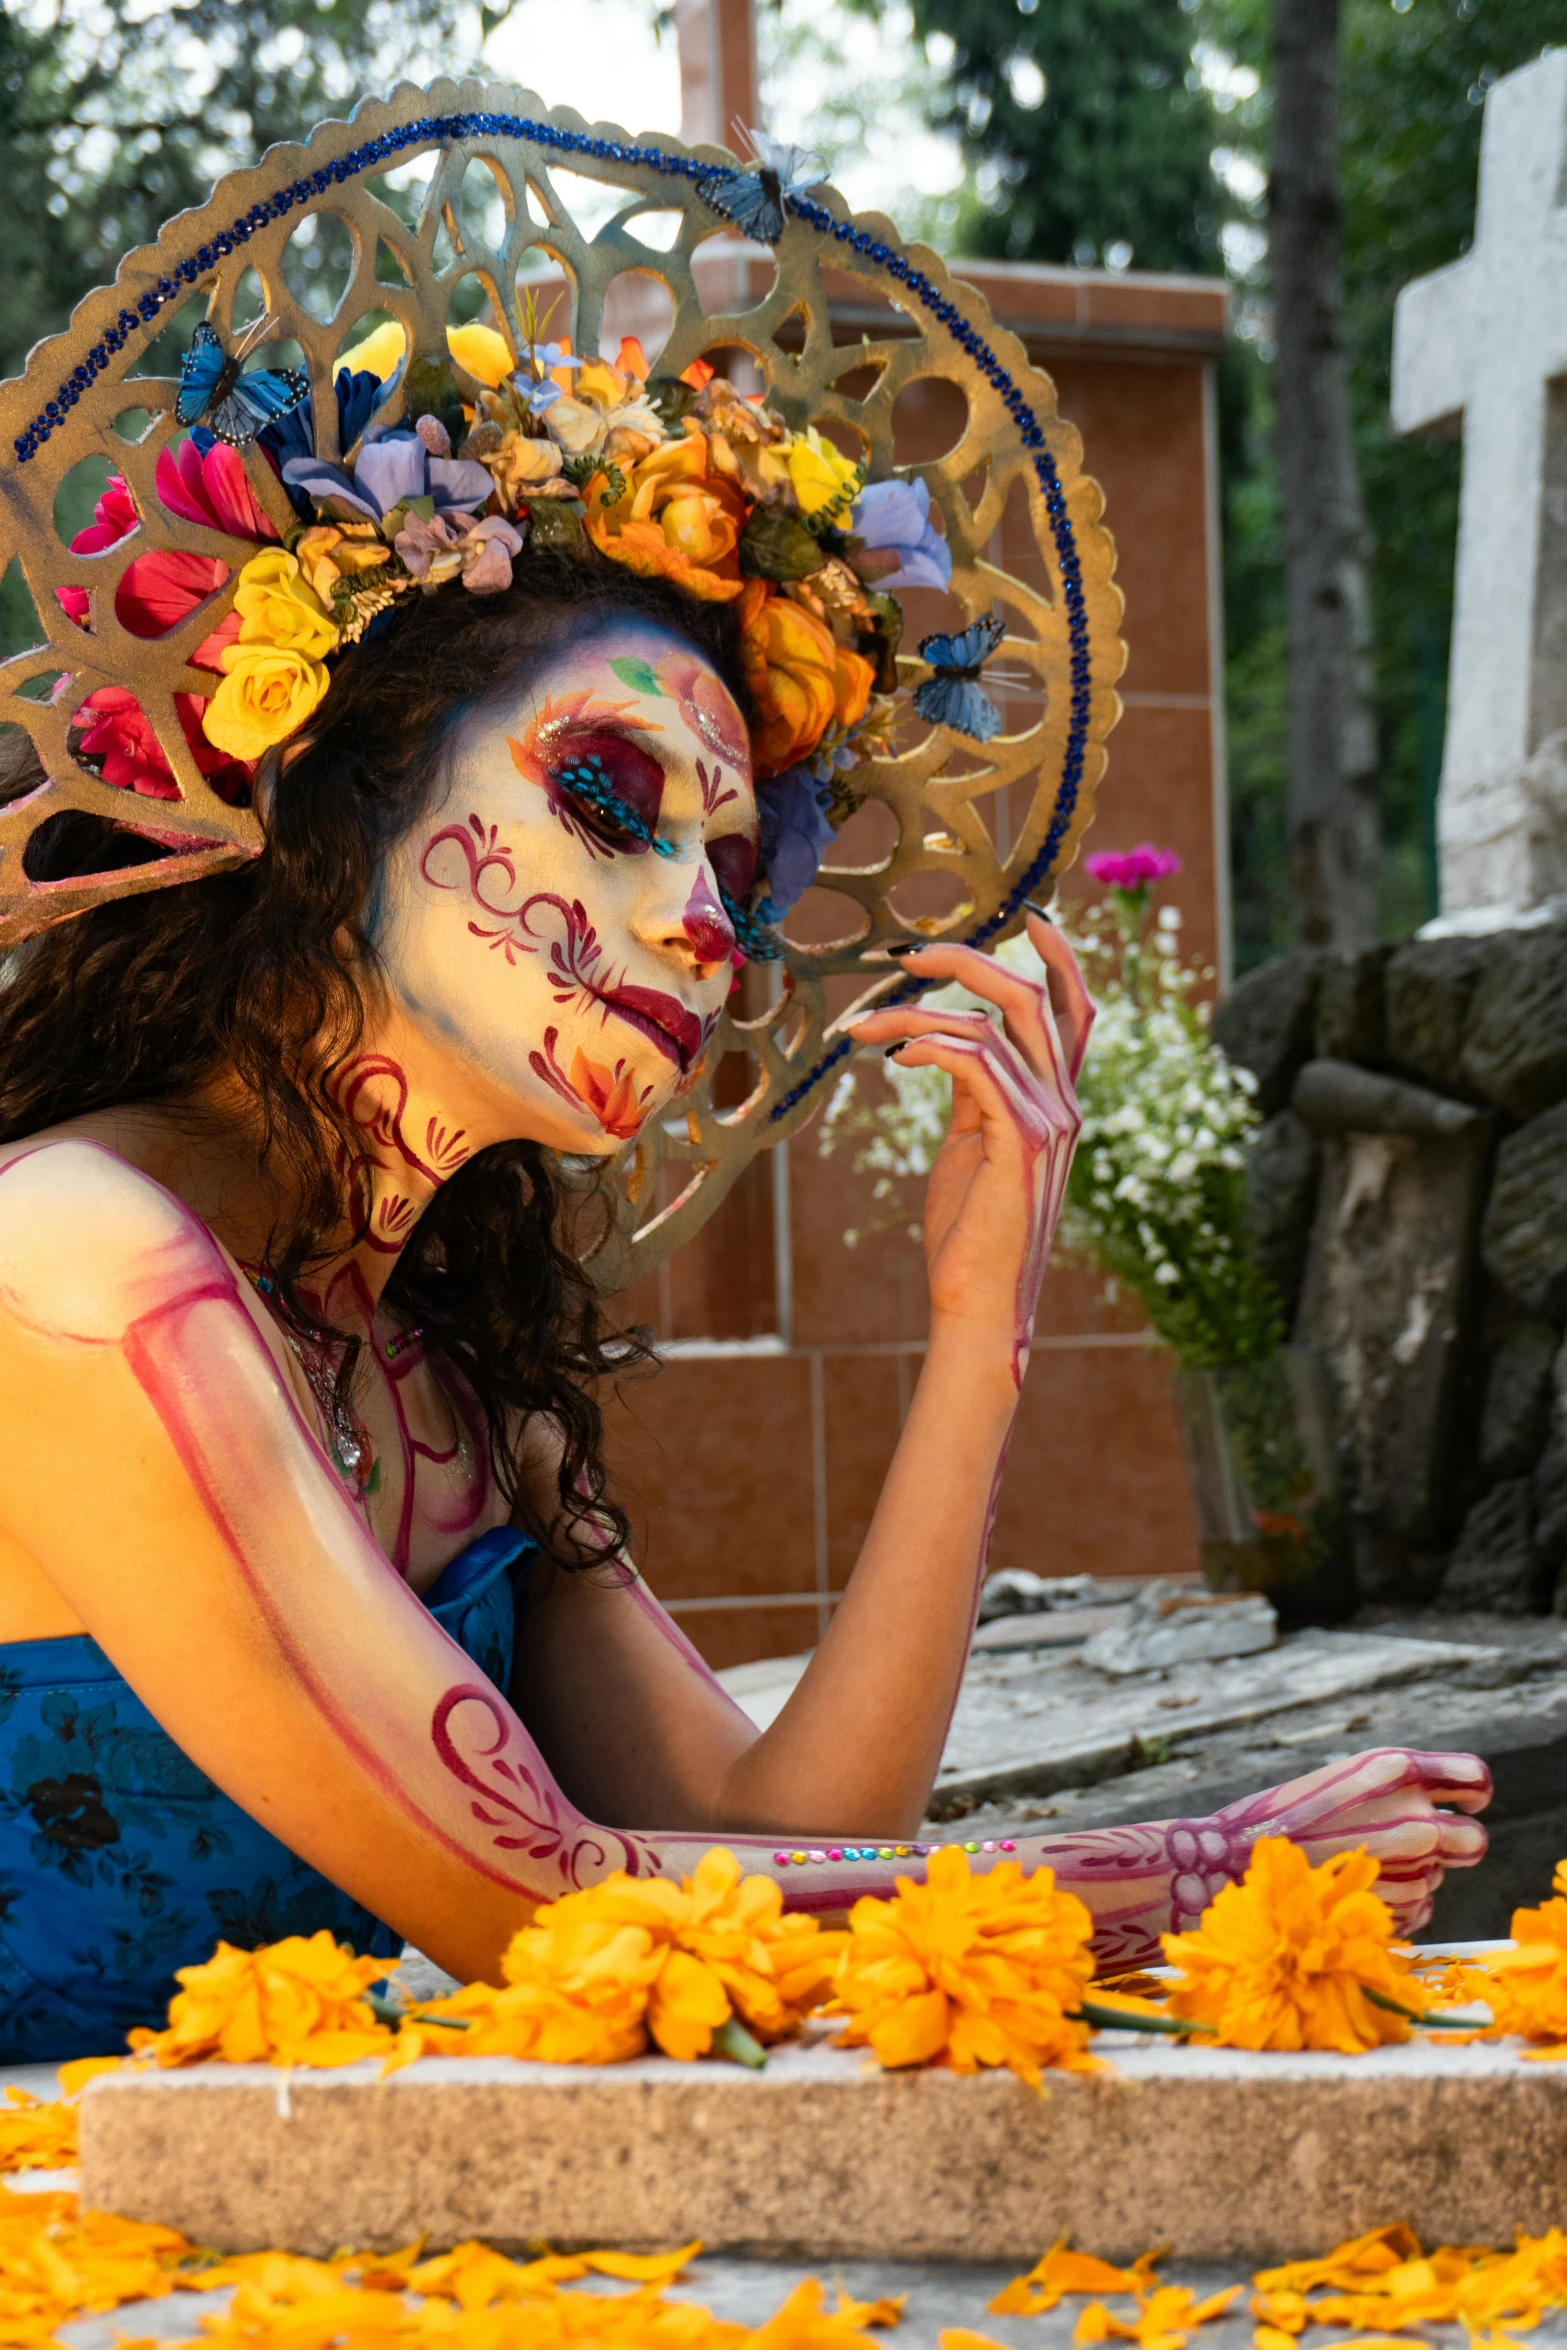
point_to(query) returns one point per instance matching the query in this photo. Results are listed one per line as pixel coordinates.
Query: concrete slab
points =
(1037, 1722)
(1231, 2157)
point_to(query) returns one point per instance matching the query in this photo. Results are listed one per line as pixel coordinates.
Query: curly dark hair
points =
(145, 999)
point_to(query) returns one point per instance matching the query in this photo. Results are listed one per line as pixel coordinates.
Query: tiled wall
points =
(752, 1462)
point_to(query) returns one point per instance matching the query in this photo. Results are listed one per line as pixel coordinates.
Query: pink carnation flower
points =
(1133, 870)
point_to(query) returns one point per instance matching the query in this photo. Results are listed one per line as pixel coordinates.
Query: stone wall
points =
(1409, 1192)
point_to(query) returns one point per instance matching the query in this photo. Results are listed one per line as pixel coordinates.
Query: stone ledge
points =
(1228, 2156)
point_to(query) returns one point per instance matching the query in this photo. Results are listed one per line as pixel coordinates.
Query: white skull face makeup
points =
(556, 927)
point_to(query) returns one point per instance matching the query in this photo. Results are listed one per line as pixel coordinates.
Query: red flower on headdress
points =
(155, 593)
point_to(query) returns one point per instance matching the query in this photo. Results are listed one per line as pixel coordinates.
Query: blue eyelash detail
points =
(756, 941)
(587, 781)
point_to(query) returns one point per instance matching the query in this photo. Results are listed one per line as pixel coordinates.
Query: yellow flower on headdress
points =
(266, 696)
(965, 1971)
(277, 606)
(819, 474)
(1286, 1959)
(485, 354)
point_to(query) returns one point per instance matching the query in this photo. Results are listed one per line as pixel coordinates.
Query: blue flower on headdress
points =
(895, 516)
(391, 468)
(294, 435)
(537, 389)
(793, 831)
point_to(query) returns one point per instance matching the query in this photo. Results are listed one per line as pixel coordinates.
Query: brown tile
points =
(1096, 1482)
(739, 1636)
(1073, 1302)
(873, 1292)
(720, 1285)
(1159, 787)
(861, 1421)
(1143, 442)
(713, 1460)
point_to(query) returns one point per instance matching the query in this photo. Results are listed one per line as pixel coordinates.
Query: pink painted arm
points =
(214, 1555)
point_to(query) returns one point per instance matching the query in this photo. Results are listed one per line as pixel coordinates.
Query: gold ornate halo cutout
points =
(1062, 636)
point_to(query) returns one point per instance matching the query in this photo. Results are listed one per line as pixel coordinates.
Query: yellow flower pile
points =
(601, 1973)
(58, 2262)
(1382, 2283)
(299, 2001)
(38, 2133)
(965, 1971)
(1296, 1957)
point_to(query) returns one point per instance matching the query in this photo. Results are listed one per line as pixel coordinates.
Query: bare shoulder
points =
(89, 1244)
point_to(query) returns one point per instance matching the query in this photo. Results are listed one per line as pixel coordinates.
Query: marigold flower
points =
(676, 519)
(1164, 2320)
(1287, 1958)
(966, 1971)
(298, 2001)
(1527, 1986)
(601, 1972)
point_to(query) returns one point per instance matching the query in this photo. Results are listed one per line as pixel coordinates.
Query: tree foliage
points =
(1087, 128)
(115, 115)
(1135, 104)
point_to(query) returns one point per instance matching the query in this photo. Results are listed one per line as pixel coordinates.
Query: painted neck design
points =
(409, 1148)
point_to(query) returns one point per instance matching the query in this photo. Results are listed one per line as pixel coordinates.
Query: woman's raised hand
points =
(996, 1189)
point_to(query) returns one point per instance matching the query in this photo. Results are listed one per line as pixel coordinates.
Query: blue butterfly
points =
(951, 697)
(236, 405)
(754, 200)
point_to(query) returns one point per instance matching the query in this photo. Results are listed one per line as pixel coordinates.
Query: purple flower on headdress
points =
(793, 831)
(893, 517)
(450, 543)
(392, 467)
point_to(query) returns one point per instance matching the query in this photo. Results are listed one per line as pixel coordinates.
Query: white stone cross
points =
(1482, 347)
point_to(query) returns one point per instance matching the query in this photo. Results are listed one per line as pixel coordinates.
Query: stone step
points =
(1228, 2156)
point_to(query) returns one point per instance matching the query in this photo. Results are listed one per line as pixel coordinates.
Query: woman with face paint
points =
(315, 1607)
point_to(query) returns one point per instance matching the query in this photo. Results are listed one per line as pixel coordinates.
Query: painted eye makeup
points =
(617, 785)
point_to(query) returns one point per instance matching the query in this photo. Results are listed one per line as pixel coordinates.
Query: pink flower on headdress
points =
(1133, 870)
(213, 488)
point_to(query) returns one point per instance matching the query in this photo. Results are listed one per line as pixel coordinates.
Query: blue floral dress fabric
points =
(120, 1860)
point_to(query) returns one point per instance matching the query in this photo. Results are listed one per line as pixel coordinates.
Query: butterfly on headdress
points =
(953, 696)
(215, 389)
(755, 200)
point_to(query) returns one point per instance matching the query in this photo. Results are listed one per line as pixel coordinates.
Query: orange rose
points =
(677, 521)
(802, 679)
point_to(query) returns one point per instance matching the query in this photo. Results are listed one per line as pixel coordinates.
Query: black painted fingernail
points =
(909, 946)
(891, 1051)
(1035, 908)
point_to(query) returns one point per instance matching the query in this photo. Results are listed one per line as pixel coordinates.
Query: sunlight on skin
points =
(554, 953)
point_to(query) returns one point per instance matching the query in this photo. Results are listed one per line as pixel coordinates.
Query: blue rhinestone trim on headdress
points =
(443, 130)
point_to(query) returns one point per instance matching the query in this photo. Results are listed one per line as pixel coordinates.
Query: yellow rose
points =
(278, 606)
(819, 474)
(267, 694)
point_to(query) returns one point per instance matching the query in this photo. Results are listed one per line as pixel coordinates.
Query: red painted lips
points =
(665, 1021)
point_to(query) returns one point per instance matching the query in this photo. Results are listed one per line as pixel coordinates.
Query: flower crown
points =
(679, 478)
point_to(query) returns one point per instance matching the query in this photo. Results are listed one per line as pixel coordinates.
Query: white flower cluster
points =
(1157, 1192)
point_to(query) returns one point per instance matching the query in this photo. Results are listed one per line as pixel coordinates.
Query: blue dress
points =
(120, 1861)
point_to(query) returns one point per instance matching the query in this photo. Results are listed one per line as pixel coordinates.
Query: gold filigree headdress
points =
(81, 396)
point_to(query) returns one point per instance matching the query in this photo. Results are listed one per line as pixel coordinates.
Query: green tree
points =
(1087, 129)
(114, 119)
